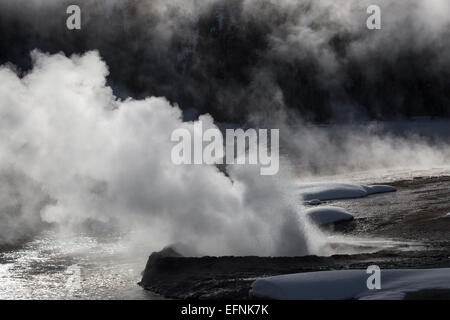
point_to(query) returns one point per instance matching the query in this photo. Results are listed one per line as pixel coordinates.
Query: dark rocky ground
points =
(415, 213)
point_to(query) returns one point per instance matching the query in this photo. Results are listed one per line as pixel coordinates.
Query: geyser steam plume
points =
(102, 158)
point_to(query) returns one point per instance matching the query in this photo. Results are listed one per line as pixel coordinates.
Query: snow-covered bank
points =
(350, 284)
(328, 215)
(324, 191)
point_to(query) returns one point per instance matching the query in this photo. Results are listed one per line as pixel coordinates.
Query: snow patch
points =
(328, 214)
(350, 284)
(324, 191)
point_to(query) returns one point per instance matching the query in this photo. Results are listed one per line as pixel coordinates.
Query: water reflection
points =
(72, 267)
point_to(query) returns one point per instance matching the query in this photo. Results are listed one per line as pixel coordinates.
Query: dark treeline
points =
(232, 61)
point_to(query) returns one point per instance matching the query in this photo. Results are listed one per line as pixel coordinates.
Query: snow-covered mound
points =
(328, 214)
(324, 191)
(350, 284)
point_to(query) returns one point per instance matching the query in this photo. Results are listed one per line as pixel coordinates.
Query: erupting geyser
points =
(98, 157)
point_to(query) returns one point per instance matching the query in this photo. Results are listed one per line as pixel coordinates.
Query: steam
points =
(20, 202)
(379, 146)
(106, 159)
(76, 148)
(233, 58)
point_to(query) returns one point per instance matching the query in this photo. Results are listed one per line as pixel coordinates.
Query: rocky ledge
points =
(169, 274)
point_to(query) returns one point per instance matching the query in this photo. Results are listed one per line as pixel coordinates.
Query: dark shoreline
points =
(174, 276)
(231, 277)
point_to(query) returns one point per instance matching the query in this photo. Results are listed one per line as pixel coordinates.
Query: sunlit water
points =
(72, 267)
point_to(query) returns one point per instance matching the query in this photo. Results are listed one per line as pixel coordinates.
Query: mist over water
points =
(324, 150)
